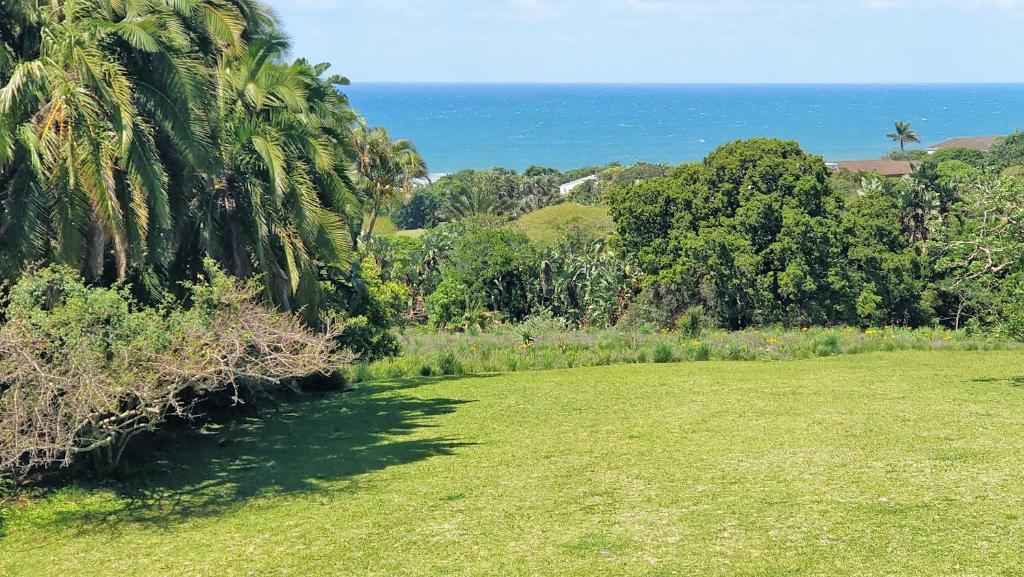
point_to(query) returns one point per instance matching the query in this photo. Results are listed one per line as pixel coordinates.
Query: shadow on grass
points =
(1013, 381)
(308, 446)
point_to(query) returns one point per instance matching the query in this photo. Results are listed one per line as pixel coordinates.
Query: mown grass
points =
(547, 224)
(411, 233)
(384, 226)
(544, 346)
(896, 464)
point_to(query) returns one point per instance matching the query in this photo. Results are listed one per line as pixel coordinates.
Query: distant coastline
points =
(566, 126)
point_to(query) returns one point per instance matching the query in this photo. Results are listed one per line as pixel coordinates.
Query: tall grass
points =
(504, 349)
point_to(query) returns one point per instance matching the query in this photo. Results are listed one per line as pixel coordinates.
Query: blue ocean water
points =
(569, 126)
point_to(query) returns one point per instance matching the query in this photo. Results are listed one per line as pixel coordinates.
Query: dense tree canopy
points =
(137, 137)
(749, 234)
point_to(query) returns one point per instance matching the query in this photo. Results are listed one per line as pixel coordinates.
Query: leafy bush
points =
(701, 352)
(826, 345)
(691, 322)
(448, 364)
(447, 304)
(83, 370)
(372, 306)
(370, 342)
(496, 265)
(662, 353)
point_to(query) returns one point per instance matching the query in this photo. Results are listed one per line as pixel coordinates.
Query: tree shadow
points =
(1012, 381)
(308, 446)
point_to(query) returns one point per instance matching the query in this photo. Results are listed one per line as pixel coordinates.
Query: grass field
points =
(384, 226)
(546, 224)
(904, 463)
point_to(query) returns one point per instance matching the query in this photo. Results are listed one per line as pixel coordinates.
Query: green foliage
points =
(136, 139)
(509, 195)
(447, 304)
(911, 155)
(662, 353)
(371, 307)
(423, 208)
(883, 278)
(975, 158)
(904, 135)
(386, 171)
(543, 342)
(750, 234)
(978, 264)
(448, 364)
(691, 322)
(497, 266)
(583, 281)
(1007, 152)
(498, 192)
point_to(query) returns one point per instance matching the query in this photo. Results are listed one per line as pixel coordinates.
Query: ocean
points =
(570, 126)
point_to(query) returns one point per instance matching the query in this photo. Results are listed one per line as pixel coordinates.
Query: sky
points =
(661, 41)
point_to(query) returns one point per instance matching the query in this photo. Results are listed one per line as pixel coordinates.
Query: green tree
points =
(1007, 152)
(904, 135)
(750, 234)
(146, 135)
(387, 170)
(979, 269)
(499, 266)
(95, 94)
(881, 281)
(279, 204)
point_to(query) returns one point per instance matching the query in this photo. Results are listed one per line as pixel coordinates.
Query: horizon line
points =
(643, 83)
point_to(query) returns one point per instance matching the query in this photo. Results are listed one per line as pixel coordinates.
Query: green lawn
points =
(384, 226)
(546, 224)
(907, 463)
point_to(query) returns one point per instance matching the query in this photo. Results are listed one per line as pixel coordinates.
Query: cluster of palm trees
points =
(139, 136)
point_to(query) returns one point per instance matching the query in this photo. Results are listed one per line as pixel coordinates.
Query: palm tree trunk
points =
(238, 264)
(373, 222)
(96, 253)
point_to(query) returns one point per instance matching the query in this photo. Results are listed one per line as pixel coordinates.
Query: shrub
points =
(691, 322)
(701, 352)
(447, 303)
(373, 306)
(496, 265)
(826, 345)
(448, 364)
(83, 370)
(369, 341)
(662, 353)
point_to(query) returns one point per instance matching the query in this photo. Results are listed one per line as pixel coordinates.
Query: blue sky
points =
(661, 40)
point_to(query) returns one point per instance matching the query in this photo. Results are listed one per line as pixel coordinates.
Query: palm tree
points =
(151, 133)
(386, 170)
(97, 97)
(279, 204)
(904, 134)
(475, 202)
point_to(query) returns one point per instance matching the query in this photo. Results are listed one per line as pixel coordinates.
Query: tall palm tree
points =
(904, 135)
(96, 93)
(386, 170)
(279, 204)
